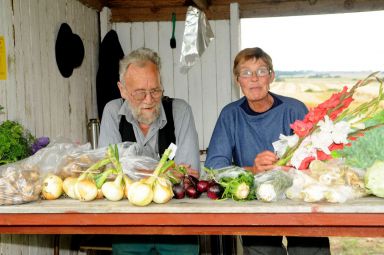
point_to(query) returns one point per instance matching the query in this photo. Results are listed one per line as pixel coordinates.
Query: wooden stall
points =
(203, 216)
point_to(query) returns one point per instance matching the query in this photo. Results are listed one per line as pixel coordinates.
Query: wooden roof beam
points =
(219, 12)
(201, 4)
(95, 4)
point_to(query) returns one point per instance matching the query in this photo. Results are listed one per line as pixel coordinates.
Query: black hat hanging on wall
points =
(69, 50)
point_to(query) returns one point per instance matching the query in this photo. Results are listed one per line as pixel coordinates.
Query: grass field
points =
(313, 91)
(357, 246)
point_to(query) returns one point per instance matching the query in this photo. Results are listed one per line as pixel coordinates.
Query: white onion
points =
(162, 191)
(52, 187)
(85, 190)
(69, 187)
(113, 191)
(140, 193)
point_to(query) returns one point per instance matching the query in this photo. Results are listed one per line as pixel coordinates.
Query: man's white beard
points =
(142, 119)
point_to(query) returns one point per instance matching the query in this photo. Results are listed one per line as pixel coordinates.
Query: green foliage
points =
(365, 150)
(238, 188)
(15, 142)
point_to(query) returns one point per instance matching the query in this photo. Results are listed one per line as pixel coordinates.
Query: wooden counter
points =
(361, 217)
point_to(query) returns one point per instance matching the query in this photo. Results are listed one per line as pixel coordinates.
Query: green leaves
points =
(365, 150)
(15, 142)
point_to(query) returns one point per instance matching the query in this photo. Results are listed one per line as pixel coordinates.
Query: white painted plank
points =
(123, 31)
(78, 82)
(19, 244)
(60, 115)
(223, 64)
(235, 41)
(105, 24)
(208, 70)
(196, 100)
(19, 81)
(90, 67)
(7, 87)
(180, 79)
(41, 244)
(44, 33)
(137, 36)
(151, 35)
(166, 54)
(37, 68)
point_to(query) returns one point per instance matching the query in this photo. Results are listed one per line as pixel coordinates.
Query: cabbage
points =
(374, 179)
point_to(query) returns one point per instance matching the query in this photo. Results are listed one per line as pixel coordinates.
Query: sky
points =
(332, 42)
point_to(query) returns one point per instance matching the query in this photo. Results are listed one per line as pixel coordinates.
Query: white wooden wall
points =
(35, 93)
(207, 86)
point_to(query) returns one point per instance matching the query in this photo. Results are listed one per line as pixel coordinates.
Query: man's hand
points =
(264, 161)
(189, 170)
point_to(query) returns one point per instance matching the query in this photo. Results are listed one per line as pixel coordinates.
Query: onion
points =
(140, 193)
(52, 187)
(69, 187)
(85, 189)
(127, 184)
(162, 191)
(113, 190)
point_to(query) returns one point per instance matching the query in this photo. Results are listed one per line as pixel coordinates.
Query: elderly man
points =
(146, 117)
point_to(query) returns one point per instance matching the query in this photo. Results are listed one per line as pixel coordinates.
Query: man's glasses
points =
(141, 94)
(261, 72)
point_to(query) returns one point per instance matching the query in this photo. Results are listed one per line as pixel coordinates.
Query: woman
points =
(245, 131)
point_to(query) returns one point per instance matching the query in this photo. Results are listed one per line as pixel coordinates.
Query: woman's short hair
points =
(251, 53)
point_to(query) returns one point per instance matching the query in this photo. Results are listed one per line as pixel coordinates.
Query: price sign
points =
(3, 59)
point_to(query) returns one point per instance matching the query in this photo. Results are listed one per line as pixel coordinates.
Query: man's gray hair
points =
(138, 57)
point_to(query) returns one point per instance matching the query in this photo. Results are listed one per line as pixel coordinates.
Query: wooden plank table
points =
(361, 217)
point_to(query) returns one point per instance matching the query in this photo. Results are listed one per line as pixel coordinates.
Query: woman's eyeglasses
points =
(261, 72)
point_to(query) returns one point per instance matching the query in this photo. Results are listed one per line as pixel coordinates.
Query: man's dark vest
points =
(166, 134)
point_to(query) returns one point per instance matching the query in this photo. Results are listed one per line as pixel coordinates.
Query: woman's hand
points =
(264, 161)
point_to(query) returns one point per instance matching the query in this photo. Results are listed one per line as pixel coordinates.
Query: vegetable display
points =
(236, 182)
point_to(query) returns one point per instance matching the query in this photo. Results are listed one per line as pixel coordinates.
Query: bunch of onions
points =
(154, 188)
(84, 187)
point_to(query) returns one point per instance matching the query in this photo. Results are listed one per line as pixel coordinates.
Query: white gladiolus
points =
(305, 150)
(283, 143)
(326, 125)
(322, 140)
(340, 132)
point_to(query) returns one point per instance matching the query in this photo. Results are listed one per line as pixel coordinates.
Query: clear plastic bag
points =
(20, 182)
(271, 185)
(330, 181)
